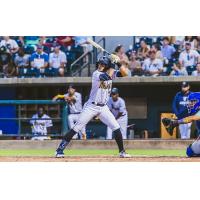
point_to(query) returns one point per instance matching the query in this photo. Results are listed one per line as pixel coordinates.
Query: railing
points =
(96, 51)
(19, 119)
(85, 60)
(85, 56)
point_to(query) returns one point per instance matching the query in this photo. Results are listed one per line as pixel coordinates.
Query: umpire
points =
(180, 109)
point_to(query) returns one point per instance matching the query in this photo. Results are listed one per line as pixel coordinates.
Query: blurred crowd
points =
(39, 56)
(46, 56)
(162, 56)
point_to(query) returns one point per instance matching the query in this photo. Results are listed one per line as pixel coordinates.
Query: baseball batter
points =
(97, 103)
(118, 108)
(74, 100)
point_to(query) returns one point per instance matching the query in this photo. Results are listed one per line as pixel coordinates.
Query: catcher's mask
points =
(191, 104)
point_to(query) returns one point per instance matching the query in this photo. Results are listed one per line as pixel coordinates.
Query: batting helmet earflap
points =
(189, 151)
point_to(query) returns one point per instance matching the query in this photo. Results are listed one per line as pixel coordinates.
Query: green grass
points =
(91, 152)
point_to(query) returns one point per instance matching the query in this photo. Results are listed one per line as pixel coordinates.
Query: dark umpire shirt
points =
(180, 105)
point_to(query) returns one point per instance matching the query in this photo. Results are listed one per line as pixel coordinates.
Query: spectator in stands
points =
(82, 42)
(65, 40)
(192, 40)
(172, 39)
(7, 68)
(167, 50)
(135, 65)
(143, 50)
(119, 51)
(156, 47)
(197, 71)
(189, 58)
(29, 40)
(152, 66)
(41, 124)
(39, 61)
(178, 70)
(57, 61)
(21, 62)
(10, 44)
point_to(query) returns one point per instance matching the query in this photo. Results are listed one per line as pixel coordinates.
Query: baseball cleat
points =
(123, 154)
(169, 125)
(59, 154)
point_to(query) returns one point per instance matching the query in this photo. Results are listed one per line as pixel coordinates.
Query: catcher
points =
(193, 109)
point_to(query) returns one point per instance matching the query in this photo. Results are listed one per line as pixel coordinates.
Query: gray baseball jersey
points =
(117, 107)
(101, 87)
(77, 106)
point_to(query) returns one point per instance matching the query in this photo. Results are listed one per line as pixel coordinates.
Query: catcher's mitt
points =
(166, 122)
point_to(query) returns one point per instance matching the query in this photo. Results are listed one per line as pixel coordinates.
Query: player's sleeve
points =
(48, 122)
(104, 77)
(33, 119)
(174, 105)
(122, 107)
(78, 98)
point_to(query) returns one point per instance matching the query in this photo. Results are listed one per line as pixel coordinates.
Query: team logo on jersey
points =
(105, 85)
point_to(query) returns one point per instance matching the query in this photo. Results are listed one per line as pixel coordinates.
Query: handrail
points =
(18, 102)
(78, 59)
(78, 71)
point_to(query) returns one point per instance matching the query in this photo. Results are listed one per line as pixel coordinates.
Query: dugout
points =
(146, 97)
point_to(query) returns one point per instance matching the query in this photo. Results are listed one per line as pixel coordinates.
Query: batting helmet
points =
(105, 60)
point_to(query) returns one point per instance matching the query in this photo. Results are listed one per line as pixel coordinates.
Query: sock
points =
(118, 138)
(66, 139)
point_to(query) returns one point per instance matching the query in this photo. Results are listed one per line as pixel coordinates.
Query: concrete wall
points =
(95, 144)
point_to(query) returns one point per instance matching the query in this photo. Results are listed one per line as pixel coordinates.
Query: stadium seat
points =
(29, 49)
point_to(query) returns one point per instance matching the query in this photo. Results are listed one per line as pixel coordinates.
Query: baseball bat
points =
(130, 126)
(97, 46)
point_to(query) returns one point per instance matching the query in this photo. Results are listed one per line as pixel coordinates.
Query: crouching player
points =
(193, 108)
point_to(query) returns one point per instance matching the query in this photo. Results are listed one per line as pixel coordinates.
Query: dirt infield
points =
(98, 159)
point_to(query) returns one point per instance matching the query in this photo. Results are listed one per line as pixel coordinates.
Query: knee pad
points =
(189, 151)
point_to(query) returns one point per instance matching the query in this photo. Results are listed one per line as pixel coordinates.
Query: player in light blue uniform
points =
(118, 108)
(97, 103)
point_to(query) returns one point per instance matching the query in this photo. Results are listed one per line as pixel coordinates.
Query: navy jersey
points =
(180, 103)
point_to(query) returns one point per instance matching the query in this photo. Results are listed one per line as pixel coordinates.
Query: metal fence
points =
(19, 118)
